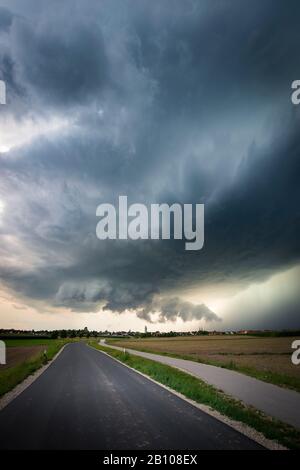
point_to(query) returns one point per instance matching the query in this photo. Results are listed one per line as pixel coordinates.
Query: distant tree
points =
(86, 332)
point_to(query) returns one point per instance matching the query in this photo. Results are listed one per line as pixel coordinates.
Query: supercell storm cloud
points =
(165, 102)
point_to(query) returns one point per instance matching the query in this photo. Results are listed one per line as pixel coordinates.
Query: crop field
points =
(22, 350)
(265, 357)
(17, 355)
(23, 357)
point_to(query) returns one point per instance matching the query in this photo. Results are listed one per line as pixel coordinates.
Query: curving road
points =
(87, 400)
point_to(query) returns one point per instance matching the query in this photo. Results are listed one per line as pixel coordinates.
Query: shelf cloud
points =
(188, 103)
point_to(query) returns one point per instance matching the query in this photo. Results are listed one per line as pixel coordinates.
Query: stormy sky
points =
(165, 102)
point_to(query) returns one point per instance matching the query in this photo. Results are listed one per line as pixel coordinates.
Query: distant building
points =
(146, 330)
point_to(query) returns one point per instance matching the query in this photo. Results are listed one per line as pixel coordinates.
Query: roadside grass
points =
(282, 380)
(12, 376)
(201, 392)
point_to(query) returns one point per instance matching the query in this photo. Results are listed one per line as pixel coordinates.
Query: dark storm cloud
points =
(171, 309)
(215, 54)
(259, 215)
(5, 19)
(61, 62)
(182, 104)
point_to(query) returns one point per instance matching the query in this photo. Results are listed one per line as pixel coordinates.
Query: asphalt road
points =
(86, 400)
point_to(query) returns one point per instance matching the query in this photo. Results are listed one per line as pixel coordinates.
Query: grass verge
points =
(200, 392)
(12, 376)
(282, 380)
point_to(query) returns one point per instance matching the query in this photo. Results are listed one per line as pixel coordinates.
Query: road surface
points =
(87, 400)
(275, 401)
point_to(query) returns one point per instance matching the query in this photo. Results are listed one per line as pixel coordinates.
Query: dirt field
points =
(261, 355)
(17, 355)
